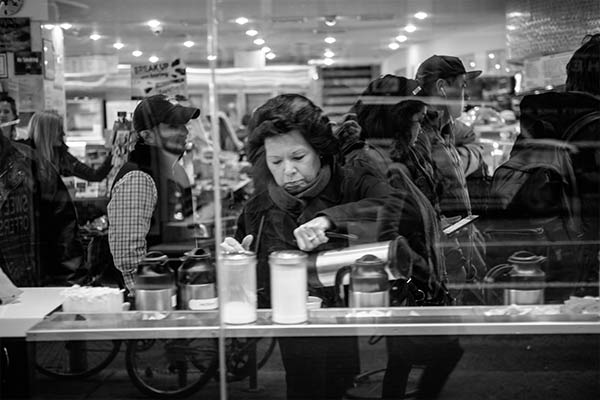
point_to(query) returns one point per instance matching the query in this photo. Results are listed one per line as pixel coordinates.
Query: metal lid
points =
(288, 257)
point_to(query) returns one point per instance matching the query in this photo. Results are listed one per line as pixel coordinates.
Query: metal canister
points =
(197, 282)
(528, 277)
(288, 286)
(155, 284)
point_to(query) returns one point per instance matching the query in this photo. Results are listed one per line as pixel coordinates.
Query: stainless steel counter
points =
(323, 322)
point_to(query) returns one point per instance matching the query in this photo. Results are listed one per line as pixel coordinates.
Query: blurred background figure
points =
(9, 118)
(47, 137)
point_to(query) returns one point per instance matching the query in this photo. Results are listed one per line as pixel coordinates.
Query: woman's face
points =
(292, 161)
(6, 114)
(415, 126)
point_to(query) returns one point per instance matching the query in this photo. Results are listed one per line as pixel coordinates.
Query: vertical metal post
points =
(211, 38)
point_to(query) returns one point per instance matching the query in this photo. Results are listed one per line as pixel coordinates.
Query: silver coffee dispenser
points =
(369, 284)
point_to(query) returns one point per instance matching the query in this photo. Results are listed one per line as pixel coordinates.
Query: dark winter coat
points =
(39, 239)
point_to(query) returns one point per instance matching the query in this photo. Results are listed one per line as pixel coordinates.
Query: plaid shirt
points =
(132, 203)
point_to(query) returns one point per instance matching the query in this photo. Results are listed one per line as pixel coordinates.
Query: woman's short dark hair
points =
(11, 102)
(281, 115)
(389, 121)
(583, 69)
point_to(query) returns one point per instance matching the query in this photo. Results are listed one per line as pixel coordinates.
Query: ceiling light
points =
(153, 59)
(241, 20)
(328, 53)
(153, 23)
(118, 45)
(330, 40)
(259, 41)
(491, 56)
(270, 56)
(331, 20)
(188, 43)
(66, 26)
(507, 69)
(95, 36)
(251, 32)
(136, 53)
(211, 58)
(511, 27)
(410, 28)
(421, 15)
(401, 38)
(472, 64)
(328, 61)
(394, 46)
(49, 26)
(266, 49)
(497, 66)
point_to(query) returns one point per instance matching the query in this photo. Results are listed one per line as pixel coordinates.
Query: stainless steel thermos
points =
(155, 284)
(196, 279)
(369, 284)
(529, 279)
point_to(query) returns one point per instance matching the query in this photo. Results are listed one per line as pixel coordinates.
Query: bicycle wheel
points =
(167, 368)
(237, 358)
(74, 359)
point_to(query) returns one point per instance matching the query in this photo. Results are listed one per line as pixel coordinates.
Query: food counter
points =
(479, 320)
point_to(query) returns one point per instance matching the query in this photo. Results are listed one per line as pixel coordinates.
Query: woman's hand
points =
(312, 234)
(230, 245)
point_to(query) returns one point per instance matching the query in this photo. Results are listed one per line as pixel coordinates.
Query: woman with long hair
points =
(47, 137)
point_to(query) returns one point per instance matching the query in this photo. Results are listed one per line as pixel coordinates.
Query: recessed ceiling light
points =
(211, 58)
(328, 61)
(66, 26)
(118, 45)
(251, 32)
(266, 49)
(401, 38)
(188, 43)
(136, 53)
(330, 40)
(328, 53)
(472, 64)
(491, 56)
(511, 27)
(95, 36)
(421, 15)
(410, 28)
(153, 23)
(394, 46)
(270, 56)
(259, 41)
(153, 59)
(241, 20)
(507, 69)
(497, 66)
(48, 26)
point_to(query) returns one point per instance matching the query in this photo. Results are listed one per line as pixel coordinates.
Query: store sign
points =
(166, 78)
(545, 71)
(28, 63)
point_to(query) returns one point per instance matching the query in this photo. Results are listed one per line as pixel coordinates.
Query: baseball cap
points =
(443, 67)
(157, 109)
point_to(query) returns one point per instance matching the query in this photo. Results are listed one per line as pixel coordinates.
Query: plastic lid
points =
(288, 257)
(238, 258)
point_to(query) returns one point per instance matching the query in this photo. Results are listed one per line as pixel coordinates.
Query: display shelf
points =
(480, 320)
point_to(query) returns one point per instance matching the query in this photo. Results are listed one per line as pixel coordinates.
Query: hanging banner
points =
(166, 78)
(15, 34)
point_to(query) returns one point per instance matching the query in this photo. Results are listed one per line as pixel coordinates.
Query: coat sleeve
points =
(71, 166)
(470, 152)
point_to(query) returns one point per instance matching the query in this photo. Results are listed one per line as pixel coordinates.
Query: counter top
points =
(29, 309)
(479, 320)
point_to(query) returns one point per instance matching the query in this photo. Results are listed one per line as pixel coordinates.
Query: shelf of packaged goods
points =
(480, 320)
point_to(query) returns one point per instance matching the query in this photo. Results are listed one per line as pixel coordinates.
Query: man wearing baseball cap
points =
(453, 150)
(159, 136)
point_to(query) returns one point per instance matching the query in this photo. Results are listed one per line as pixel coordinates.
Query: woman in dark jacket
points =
(46, 135)
(301, 193)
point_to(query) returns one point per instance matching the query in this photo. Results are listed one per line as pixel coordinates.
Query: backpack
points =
(535, 200)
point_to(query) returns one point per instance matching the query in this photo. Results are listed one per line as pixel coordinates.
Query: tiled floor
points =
(505, 367)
